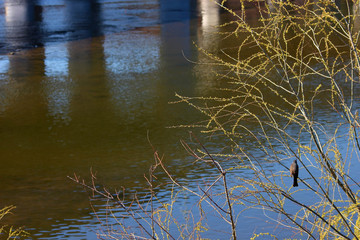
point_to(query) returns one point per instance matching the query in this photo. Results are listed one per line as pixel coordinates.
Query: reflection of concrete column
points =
(57, 85)
(176, 37)
(177, 34)
(208, 39)
(176, 28)
(6, 92)
(25, 70)
(87, 71)
(4, 65)
(21, 23)
(130, 60)
(210, 21)
(82, 18)
(23, 86)
(210, 14)
(27, 64)
(177, 10)
(135, 53)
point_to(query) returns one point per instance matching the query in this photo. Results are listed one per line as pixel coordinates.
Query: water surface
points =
(82, 84)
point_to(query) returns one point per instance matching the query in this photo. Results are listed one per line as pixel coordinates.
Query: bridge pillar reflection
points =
(22, 23)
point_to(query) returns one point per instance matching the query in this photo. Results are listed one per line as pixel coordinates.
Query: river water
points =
(83, 85)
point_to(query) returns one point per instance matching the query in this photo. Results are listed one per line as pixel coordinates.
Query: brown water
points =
(85, 99)
(76, 97)
(90, 107)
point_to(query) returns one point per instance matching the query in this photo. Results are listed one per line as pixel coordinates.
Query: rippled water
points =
(82, 85)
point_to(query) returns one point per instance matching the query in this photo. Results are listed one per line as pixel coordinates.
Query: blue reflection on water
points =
(32, 23)
(4, 64)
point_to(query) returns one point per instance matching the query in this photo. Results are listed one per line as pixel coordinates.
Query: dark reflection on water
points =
(22, 24)
(67, 106)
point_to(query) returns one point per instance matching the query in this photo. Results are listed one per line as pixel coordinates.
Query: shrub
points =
(272, 109)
